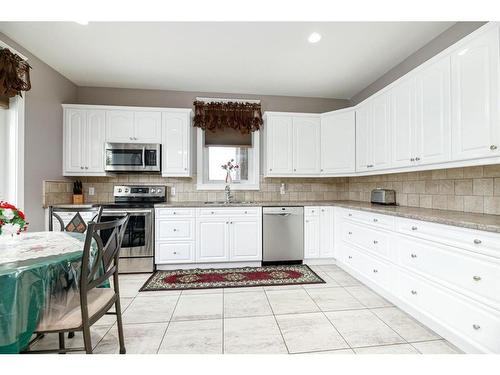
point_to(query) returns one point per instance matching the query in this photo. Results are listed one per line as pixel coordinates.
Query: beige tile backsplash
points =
(472, 189)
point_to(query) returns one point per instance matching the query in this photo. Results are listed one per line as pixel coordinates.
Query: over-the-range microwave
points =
(132, 157)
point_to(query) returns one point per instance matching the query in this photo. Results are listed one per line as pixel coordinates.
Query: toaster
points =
(383, 196)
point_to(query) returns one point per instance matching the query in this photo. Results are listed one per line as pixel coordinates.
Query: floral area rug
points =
(231, 277)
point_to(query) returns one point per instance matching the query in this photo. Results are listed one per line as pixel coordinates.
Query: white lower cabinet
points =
(319, 232)
(215, 235)
(447, 277)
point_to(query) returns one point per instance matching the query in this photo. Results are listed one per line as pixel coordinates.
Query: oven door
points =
(130, 157)
(136, 254)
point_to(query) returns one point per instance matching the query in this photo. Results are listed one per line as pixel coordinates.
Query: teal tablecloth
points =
(28, 288)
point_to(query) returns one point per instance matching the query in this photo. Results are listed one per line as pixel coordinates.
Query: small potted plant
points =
(12, 220)
(229, 167)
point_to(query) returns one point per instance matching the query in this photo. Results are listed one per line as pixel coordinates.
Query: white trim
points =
(127, 108)
(201, 185)
(224, 100)
(13, 50)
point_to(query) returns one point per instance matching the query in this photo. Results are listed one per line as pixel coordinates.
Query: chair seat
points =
(72, 318)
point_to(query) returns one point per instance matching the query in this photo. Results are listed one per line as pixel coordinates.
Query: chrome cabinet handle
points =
(350, 215)
(270, 169)
(477, 242)
(175, 252)
(375, 271)
(413, 255)
(295, 170)
(412, 159)
(321, 169)
(375, 242)
(350, 257)
(230, 222)
(476, 278)
(417, 159)
(413, 292)
(414, 228)
(86, 167)
(130, 138)
(246, 212)
(375, 220)
(350, 233)
(211, 212)
(493, 147)
(227, 222)
(476, 326)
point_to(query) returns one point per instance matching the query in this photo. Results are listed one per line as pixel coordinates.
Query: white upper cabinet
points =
(176, 143)
(279, 145)
(338, 142)
(381, 132)
(475, 97)
(83, 142)
(306, 150)
(126, 126)
(403, 123)
(432, 142)
(363, 137)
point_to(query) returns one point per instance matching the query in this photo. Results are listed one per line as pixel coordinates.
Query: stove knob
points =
(153, 191)
(126, 190)
(119, 190)
(158, 191)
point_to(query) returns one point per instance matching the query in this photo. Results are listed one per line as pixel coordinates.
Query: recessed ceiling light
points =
(314, 37)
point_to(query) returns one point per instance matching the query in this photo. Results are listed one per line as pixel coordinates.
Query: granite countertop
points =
(485, 222)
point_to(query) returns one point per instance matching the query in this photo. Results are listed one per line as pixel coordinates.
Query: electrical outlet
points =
(91, 190)
(172, 191)
(282, 189)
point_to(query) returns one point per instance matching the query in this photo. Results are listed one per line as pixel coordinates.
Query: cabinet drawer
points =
(477, 274)
(367, 238)
(229, 212)
(311, 211)
(175, 212)
(174, 252)
(474, 240)
(172, 230)
(377, 220)
(474, 322)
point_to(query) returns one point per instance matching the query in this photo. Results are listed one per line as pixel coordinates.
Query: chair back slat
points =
(104, 264)
(55, 211)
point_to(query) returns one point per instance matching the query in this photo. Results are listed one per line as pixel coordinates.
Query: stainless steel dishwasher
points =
(283, 235)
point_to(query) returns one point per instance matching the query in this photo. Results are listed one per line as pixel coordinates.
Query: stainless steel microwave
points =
(132, 157)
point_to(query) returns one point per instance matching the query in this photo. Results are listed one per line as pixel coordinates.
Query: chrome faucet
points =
(227, 194)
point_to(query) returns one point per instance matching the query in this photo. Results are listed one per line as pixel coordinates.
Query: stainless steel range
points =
(137, 253)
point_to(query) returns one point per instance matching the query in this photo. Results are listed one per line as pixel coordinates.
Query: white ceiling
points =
(238, 57)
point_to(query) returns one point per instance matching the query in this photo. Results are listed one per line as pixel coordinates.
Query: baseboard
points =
(183, 266)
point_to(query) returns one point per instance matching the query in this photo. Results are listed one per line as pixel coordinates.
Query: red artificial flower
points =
(21, 214)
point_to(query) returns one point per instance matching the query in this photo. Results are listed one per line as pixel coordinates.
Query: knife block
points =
(77, 198)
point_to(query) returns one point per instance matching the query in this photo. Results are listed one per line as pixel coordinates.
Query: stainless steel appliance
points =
(383, 196)
(137, 252)
(132, 157)
(283, 235)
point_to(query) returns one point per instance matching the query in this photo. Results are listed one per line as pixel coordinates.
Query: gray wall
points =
(438, 44)
(43, 131)
(184, 99)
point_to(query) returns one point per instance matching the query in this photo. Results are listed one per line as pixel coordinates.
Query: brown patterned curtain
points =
(213, 116)
(14, 76)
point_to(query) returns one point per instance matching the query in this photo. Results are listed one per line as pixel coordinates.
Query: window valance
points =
(243, 116)
(14, 76)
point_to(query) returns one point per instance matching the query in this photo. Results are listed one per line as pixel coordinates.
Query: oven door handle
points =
(131, 212)
(144, 157)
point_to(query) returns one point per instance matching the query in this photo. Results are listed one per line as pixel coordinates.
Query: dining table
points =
(39, 277)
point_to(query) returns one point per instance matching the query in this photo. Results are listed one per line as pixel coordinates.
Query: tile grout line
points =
(329, 321)
(168, 324)
(276, 320)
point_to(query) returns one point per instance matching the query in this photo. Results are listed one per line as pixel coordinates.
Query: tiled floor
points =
(339, 317)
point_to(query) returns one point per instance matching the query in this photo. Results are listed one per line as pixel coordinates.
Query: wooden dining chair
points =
(96, 268)
(77, 223)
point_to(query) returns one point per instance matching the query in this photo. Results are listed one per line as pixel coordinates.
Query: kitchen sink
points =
(227, 203)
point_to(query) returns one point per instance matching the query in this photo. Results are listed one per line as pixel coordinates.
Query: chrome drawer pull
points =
(375, 220)
(476, 326)
(350, 257)
(175, 230)
(174, 213)
(413, 292)
(175, 252)
(413, 255)
(375, 242)
(375, 271)
(477, 242)
(350, 214)
(414, 228)
(350, 233)
(493, 147)
(476, 278)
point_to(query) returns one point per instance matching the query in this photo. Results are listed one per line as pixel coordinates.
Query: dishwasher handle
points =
(277, 214)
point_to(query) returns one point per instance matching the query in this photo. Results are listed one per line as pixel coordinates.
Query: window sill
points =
(221, 187)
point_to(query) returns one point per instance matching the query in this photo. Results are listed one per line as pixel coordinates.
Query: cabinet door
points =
(403, 123)
(326, 232)
(245, 239)
(433, 129)
(176, 144)
(475, 97)
(338, 143)
(311, 237)
(363, 141)
(74, 130)
(381, 132)
(147, 127)
(94, 141)
(279, 145)
(120, 126)
(306, 145)
(212, 240)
